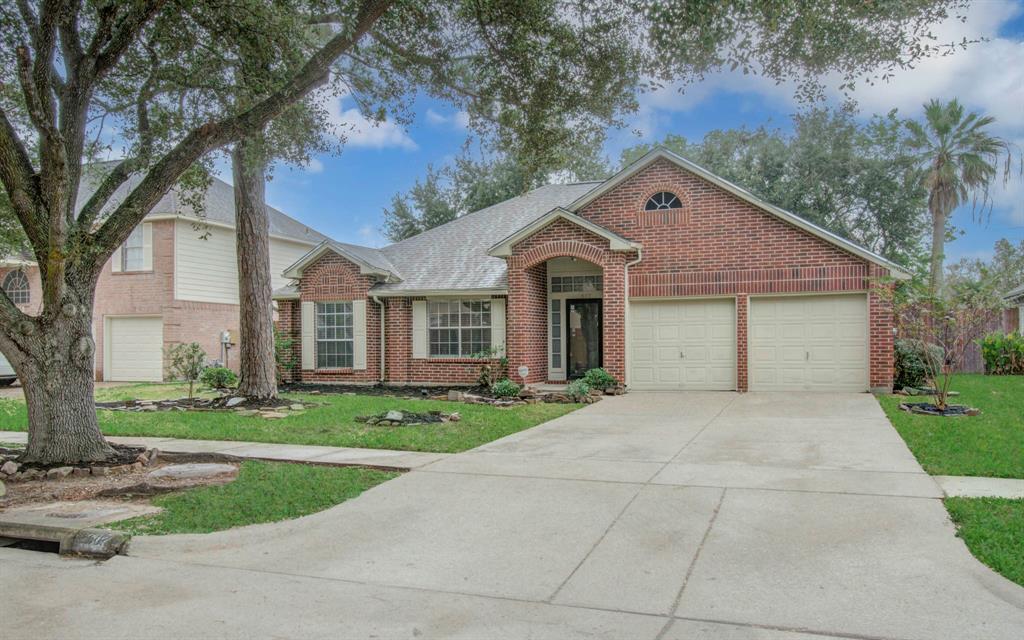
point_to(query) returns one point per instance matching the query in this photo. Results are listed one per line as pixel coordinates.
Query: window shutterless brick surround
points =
(718, 245)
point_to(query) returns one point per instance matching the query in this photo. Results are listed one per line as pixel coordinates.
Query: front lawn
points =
(263, 492)
(993, 529)
(332, 423)
(987, 445)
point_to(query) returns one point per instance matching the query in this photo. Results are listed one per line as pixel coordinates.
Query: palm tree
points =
(959, 160)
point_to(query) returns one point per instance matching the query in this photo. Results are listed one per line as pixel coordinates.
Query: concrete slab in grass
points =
(976, 487)
(857, 565)
(641, 563)
(269, 451)
(882, 483)
(184, 445)
(379, 458)
(488, 535)
(184, 600)
(501, 464)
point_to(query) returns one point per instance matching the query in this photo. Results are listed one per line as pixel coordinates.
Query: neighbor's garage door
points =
(135, 349)
(809, 343)
(682, 344)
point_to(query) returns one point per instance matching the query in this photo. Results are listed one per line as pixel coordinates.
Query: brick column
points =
(613, 321)
(880, 335)
(742, 306)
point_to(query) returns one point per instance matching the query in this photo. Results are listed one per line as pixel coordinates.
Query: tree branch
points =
(124, 33)
(162, 175)
(19, 180)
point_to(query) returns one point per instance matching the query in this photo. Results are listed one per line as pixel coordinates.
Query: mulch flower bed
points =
(929, 409)
(395, 418)
(195, 404)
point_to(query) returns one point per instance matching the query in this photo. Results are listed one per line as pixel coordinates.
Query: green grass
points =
(263, 492)
(993, 529)
(985, 445)
(330, 424)
(150, 391)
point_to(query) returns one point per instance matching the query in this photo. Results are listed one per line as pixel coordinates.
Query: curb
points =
(73, 541)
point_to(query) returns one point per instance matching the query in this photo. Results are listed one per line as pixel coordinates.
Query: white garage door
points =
(135, 349)
(682, 344)
(809, 343)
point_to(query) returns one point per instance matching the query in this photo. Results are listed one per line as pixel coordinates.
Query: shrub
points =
(219, 378)
(284, 356)
(185, 362)
(505, 389)
(493, 368)
(912, 370)
(1003, 354)
(599, 379)
(578, 390)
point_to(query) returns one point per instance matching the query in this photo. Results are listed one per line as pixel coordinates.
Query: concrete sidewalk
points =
(335, 456)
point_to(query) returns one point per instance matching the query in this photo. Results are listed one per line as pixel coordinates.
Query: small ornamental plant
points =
(599, 379)
(219, 378)
(185, 362)
(578, 390)
(505, 389)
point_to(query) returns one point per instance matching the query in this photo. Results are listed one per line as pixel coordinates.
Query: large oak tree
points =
(534, 75)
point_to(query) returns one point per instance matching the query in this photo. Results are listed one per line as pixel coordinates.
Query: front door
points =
(583, 336)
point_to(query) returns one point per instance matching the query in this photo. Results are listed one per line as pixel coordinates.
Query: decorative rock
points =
(149, 407)
(455, 396)
(79, 472)
(234, 402)
(58, 473)
(455, 417)
(272, 415)
(100, 471)
(10, 467)
(247, 413)
(361, 418)
(3, 489)
(193, 470)
(394, 416)
(30, 474)
(151, 456)
(297, 407)
(973, 411)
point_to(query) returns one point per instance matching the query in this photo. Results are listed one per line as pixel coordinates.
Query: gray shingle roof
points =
(219, 205)
(454, 255)
(1015, 293)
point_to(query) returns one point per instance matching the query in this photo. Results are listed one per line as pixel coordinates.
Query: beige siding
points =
(206, 270)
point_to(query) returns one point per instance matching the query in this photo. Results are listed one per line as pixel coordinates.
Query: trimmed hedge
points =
(1003, 354)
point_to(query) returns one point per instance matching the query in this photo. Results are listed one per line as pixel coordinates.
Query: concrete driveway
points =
(673, 516)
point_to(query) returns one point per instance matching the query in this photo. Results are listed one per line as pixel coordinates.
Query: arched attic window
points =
(662, 201)
(16, 287)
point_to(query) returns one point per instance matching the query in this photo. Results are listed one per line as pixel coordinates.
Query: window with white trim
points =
(567, 284)
(16, 287)
(556, 334)
(334, 338)
(132, 251)
(663, 200)
(459, 328)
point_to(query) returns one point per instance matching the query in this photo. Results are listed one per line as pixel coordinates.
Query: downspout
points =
(380, 303)
(625, 307)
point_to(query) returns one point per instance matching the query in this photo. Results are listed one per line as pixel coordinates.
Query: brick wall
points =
(722, 245)
(528, 295)
(332, 278)
(35, 288)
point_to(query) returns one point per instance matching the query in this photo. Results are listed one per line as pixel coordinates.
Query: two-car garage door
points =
(813, 342)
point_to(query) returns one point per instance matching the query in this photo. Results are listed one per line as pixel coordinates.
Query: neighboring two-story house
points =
(174, 280)
(664, 274)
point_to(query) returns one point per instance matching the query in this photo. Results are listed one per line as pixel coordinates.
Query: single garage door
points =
(809, 343)
(682, 344)
(135, 349)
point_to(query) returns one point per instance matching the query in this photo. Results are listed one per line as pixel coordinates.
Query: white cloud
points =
(360, 131)
(457, 120)
(370, 236)
(314, 166)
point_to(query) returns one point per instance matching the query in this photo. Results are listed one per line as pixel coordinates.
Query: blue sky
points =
(343, 195)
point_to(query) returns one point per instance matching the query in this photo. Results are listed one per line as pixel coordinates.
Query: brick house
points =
(664, 274)
(174, 280)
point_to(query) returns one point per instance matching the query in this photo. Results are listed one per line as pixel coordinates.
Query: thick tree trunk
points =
(258, 367)
(54, 362)
(938, 249)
